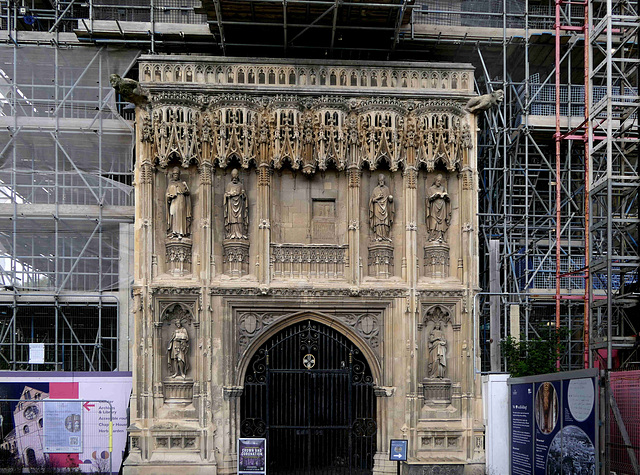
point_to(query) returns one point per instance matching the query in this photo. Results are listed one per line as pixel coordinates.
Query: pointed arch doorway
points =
(309, 391)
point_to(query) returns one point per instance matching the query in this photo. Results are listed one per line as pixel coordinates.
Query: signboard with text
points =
(62, 427)
(73, 420)
(553, 423)
(252, 456)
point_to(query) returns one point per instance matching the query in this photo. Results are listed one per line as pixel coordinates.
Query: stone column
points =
(263, 205)
(353, 217)
(264, 224)
(142, 403)
(410, 176)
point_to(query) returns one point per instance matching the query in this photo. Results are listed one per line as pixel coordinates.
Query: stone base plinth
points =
(178, 256)
(436, 469)
(176, 390)
(381, 260)
(436, 260)
(236, 257)
(436, 390)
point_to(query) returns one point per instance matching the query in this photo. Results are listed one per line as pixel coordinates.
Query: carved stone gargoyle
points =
(484, 102)
(129, 89)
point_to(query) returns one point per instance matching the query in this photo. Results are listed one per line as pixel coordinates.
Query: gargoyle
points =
(129, 89)
(484, 102)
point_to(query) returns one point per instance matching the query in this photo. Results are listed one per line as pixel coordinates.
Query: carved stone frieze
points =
(436, 260)
(298, 292)
(175, 290)
(235, 257)
(442, 293)
(178, 256)
(381, 260)
(306, 133)
(251, 324)
(375, 78)
(322, 261)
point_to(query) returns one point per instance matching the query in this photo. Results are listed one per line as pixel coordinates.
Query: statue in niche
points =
(438, 209)
(178, 201)
(437, 352)
(178, 351)
(236, 209)
(381, 211)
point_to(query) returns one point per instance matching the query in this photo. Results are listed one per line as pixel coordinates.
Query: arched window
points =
(40, 422)
(25, 429)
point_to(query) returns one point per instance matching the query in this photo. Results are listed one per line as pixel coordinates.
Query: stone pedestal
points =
(381, 260)
(436, 390)
(176, 390)
(178, 256)
(236, 257)
(436, 260)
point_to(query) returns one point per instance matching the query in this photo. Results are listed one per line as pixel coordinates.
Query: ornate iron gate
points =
(309, 391)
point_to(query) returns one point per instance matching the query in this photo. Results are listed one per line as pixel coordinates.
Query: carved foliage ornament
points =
(306, 134)
(437, 313)
(253, 324)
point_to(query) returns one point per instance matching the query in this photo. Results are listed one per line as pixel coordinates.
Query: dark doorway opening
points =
(309, 392)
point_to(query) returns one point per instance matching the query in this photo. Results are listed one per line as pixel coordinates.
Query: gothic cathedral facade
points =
(306, 265)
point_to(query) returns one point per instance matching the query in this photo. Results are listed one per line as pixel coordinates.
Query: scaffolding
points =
(66, 203)
(66, 146)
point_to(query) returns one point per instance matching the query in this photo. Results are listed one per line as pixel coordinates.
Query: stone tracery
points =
(307, 134)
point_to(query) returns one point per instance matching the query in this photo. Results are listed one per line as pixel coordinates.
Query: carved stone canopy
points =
(221, 110)
(177, 311)
(437, 313)
(308, 134)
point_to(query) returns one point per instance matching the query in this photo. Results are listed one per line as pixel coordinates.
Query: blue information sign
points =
(398, 450)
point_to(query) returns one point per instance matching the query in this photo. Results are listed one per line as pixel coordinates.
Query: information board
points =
(521, 429)
(553, 423)
(252, 456)
(62, 427)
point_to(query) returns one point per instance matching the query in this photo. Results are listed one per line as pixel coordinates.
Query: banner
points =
(64, 419)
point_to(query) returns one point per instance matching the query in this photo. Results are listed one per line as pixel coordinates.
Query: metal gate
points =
(309, 391)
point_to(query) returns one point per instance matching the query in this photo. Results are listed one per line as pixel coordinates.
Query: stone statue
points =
(437, 352)
(178, 351)
(484, 102)
(178, 201)
(236, 209)
(438, 210)
(381, 211)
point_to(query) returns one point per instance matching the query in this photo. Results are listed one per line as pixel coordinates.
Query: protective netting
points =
(66, 168)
